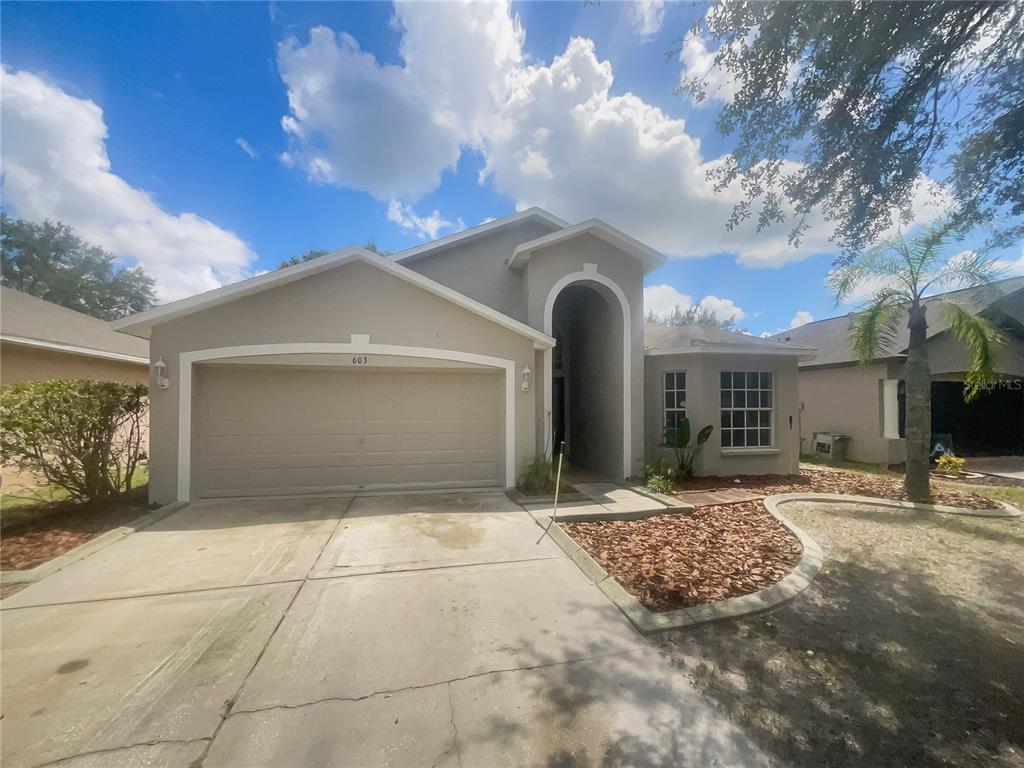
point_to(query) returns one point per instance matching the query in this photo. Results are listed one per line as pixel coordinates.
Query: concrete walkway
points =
(376, 630)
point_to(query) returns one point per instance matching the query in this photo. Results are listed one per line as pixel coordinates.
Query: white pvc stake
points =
(558, 484)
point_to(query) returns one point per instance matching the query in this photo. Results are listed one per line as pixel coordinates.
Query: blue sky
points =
(404, 122)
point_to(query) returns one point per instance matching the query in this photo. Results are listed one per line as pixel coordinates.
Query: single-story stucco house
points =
(450, 364)
(866, 403)
(41, 340)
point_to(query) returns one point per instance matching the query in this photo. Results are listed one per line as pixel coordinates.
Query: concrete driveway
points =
(377, 630)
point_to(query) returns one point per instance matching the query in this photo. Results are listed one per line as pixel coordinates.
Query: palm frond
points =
(882, 264)
(928, 247)
(981, 339)
(875, 328)
(966, 270)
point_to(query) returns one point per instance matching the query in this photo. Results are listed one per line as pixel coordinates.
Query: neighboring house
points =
(866, 402)
(451, 364)
(41, 340)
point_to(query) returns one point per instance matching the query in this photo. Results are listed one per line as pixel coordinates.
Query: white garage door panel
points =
(276, 431)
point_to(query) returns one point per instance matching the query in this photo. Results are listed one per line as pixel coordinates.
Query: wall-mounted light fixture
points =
(527, 375)
(160, 374)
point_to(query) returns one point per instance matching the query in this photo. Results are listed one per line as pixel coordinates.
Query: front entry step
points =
(608, 501)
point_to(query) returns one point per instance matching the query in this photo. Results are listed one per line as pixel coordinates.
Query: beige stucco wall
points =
(479, 269)
(703, 405)
(329, 307)
(848, 399)
(550, 265)
(21, 363)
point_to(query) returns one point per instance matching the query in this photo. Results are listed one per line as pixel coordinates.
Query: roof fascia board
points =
(145, 320)
(804, 353)
(72, 349)
(420, 251)
(649, 257)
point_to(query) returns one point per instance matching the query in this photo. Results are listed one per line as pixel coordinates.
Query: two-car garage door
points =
(281, 430)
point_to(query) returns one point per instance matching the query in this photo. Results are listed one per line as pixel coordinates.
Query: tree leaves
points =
(50, 261)
(845, 108)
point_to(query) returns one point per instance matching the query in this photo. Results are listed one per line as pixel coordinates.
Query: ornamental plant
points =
(678, 439)
(81, 435)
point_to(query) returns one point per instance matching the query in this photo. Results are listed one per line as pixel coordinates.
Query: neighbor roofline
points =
(650, 258)
(420, 251)
(141, 324)
(72, 349)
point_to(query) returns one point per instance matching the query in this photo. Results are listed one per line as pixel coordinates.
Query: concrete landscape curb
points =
(43, 570)
(1006, 510)
(649, 622)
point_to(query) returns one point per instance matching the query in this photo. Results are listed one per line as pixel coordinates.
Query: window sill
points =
(750, 451)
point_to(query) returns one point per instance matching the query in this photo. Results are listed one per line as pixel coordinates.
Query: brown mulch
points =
(829, 480)
(66, 526)
(676, 561)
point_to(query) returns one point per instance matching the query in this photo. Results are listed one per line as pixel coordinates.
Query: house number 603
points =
(359, 360)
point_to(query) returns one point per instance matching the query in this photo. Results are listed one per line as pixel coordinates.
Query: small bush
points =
(660, 484)
(659, 467)
(948, 464)
(538, 477)
(80, 435)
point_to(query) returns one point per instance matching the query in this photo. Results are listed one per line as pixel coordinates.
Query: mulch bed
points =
(65, 527)
(828, 480)
(676, 561)
(726, 550)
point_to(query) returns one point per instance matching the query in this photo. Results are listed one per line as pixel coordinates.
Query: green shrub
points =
(660, 484)
(538, 477)
(659, 467)
(678, 439)
(948, 464)
(80, 435)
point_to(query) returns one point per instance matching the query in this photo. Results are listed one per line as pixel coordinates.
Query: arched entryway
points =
(589, 379)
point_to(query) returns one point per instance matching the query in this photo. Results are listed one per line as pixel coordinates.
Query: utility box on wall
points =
(830, 446)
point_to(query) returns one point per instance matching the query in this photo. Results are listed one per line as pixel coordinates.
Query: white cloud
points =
(55, 166)
(648, 16)
(723, 308)
(429, 226)
(392, 130)
(552, 135)
(247, 148)
(663, 299)
(802, 317)
(699, 62)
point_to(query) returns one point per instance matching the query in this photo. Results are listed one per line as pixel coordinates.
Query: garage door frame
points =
(359, 345)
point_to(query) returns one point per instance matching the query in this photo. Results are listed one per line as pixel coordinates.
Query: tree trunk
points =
(919, 407)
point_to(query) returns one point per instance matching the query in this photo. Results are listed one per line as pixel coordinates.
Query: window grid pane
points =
(746, 417)
(675, 398)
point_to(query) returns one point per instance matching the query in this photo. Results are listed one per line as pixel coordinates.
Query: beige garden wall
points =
(703, 401)
(331, 306)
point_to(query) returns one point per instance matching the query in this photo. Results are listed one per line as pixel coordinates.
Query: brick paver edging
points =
(92, 545)
(648, 622)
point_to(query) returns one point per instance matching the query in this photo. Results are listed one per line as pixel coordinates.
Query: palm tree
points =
(907, 270)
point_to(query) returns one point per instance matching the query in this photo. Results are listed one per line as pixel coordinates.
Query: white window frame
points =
(664, 398)
(746, 409)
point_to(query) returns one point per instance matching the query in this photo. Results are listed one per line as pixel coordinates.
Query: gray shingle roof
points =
(831, 337)
(26, 317)
(657, 336)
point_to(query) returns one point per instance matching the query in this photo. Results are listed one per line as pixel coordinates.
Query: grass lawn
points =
(907, 650)
(39, 524)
